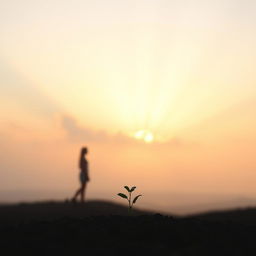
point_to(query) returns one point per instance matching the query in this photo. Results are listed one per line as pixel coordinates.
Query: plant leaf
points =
(127, 188)
(135, 199)
(132, 189)
(122, 195)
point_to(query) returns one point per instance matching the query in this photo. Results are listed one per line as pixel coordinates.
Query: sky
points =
(163, 93)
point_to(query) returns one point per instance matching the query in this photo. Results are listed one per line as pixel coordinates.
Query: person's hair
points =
(84, 151)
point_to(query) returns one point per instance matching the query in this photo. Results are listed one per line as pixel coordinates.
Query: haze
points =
(99, 73)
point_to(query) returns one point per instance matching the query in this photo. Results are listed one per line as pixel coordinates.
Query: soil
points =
(97, 228)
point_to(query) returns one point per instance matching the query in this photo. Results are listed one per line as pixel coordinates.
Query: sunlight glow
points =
(144, 135)
(156, 73)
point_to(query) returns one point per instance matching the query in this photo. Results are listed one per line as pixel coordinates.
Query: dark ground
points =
(98, 228)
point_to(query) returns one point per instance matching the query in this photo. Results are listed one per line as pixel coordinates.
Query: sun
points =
(144, 135)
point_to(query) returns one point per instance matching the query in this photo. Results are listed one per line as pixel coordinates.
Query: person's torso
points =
(84, 165)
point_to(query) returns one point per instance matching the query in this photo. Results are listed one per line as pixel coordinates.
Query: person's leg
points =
(83, 192)
(77, 193)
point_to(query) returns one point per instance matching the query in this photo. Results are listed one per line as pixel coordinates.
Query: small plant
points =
(129, 197)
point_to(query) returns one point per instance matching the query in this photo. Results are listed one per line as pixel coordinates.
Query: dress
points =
(83, 177)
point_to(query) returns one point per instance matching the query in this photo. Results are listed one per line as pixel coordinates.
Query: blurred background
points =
(161, 92)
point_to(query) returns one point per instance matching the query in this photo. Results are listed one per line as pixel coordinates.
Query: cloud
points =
(78, 133)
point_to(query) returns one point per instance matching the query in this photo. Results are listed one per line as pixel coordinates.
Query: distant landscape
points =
(167, 203)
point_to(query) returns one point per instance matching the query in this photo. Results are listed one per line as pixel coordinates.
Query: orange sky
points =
(96, 72)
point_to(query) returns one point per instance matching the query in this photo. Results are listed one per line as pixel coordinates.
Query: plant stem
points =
(130, 202)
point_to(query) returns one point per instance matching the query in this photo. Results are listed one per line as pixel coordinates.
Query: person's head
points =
(84, 151)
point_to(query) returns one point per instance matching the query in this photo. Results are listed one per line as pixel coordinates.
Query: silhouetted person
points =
(84, 177)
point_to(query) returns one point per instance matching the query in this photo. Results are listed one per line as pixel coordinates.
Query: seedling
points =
(129, 197)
